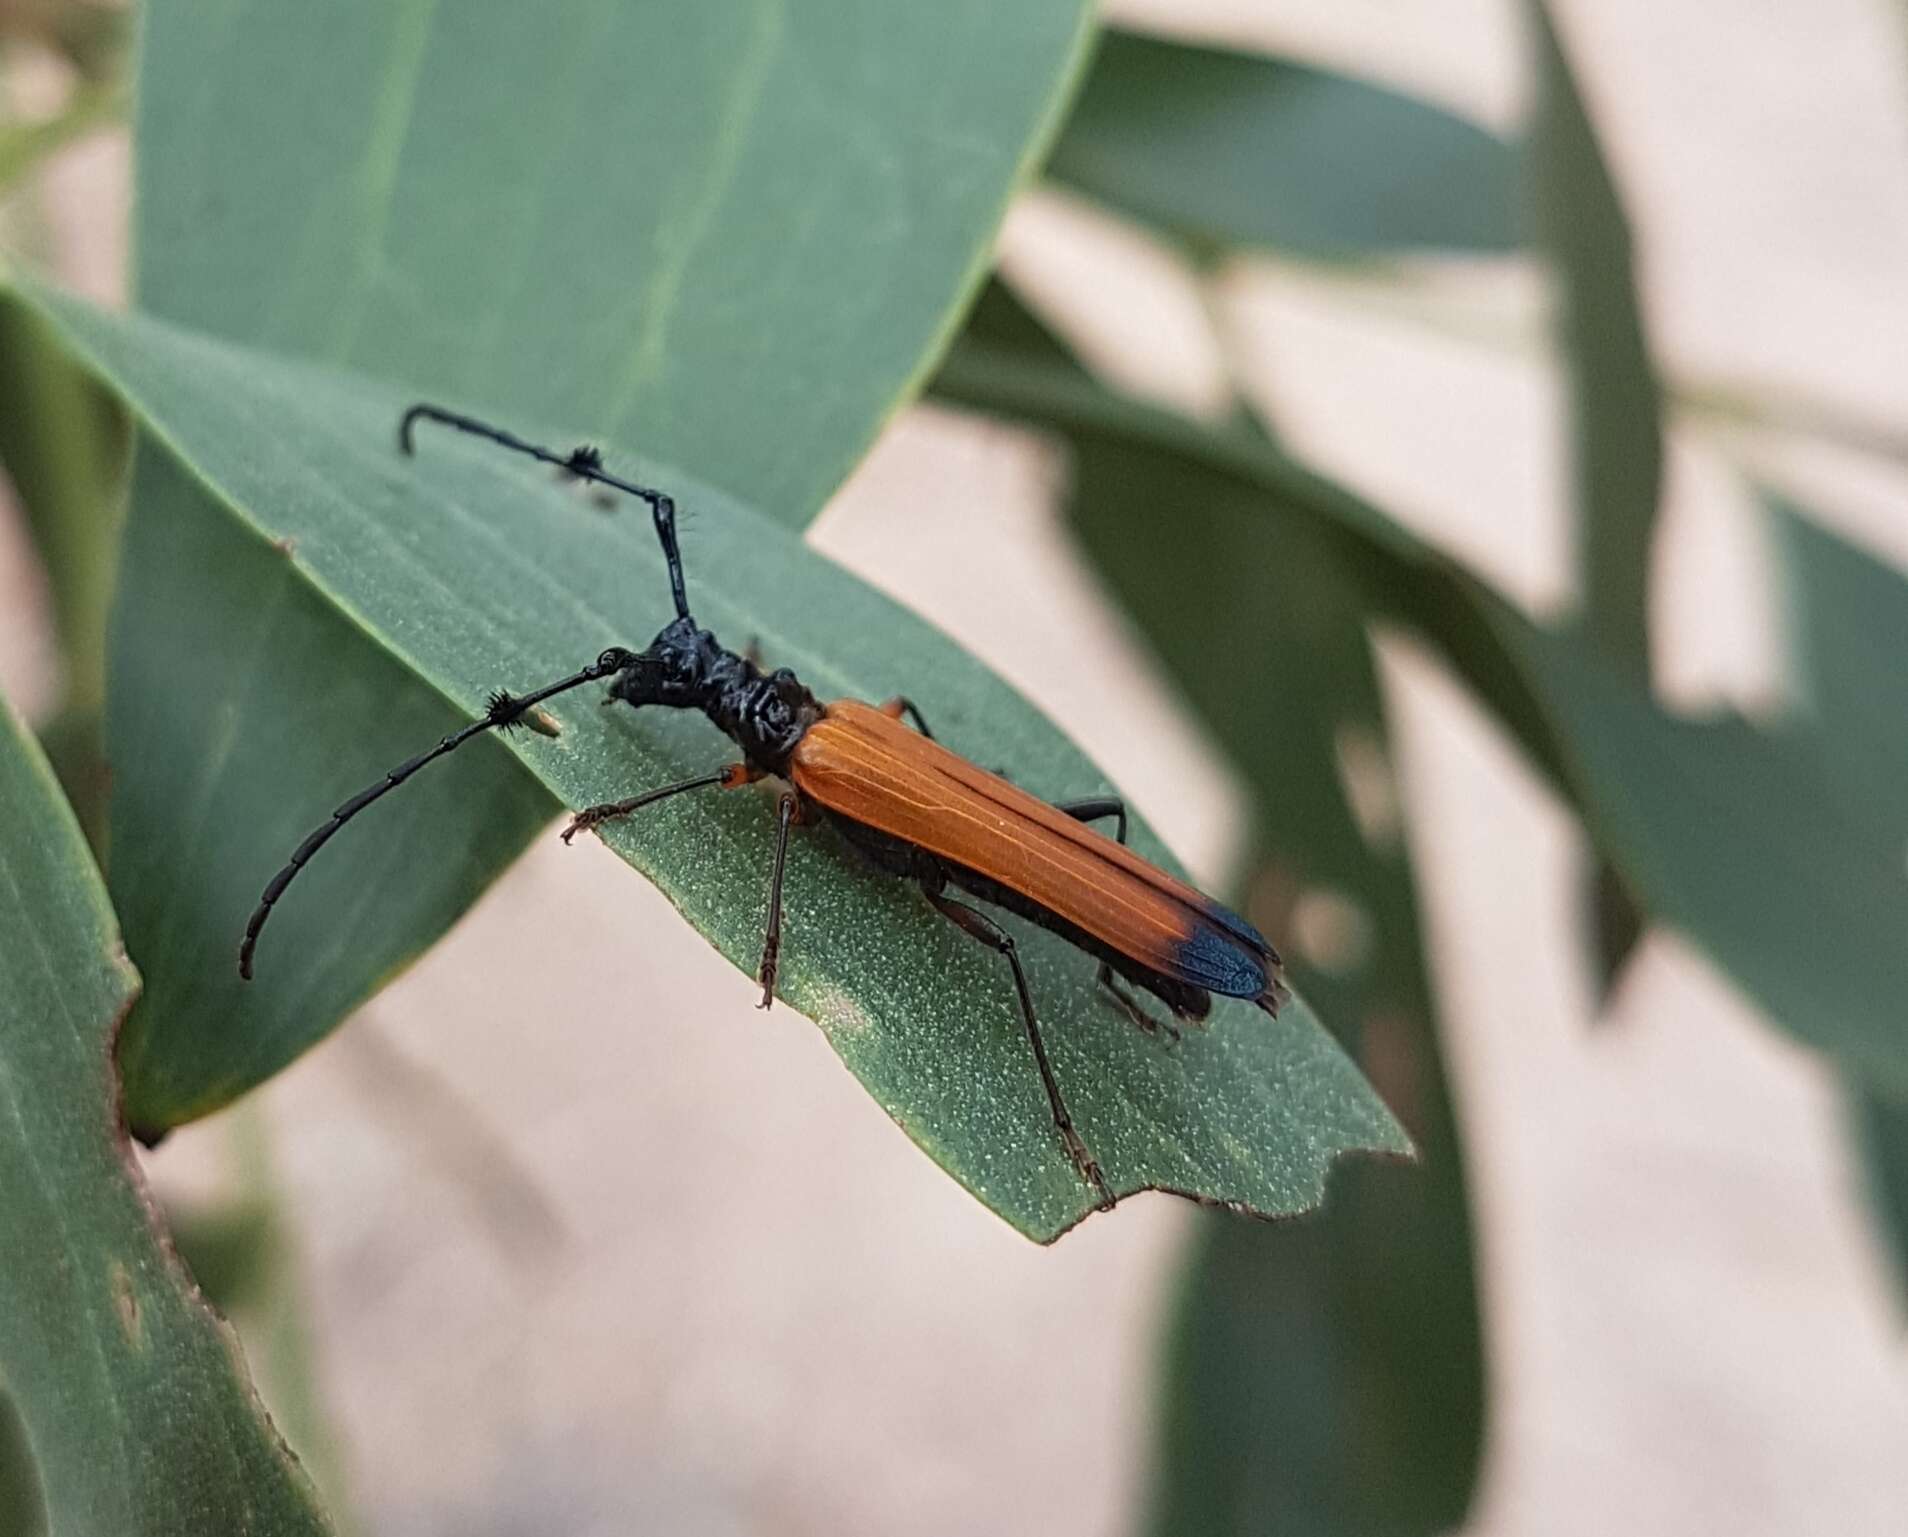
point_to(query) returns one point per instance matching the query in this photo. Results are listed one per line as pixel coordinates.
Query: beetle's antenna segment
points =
(584, 462)
(504, 712)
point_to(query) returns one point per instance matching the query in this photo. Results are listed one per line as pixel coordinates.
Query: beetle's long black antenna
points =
(504, 712)
(585, 462)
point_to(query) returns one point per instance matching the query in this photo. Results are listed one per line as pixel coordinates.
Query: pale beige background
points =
(769, 1314)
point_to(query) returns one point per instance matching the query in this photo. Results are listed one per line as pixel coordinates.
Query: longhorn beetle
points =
(902, 800)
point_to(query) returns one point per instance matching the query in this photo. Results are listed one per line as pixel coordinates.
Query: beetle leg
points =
(729, 778)
(997, 939)
(1096, 808)
(788, 813)
(1133, 1009)
(901, 705)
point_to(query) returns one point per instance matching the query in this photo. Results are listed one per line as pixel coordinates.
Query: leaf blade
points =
(1848, 615)
(67, 447)
(1353, 1340)
(1881, 1137)
(139, 1418)
(697, 227)
(1616, 397)
(1740, 838)
(1226, 148)
(1398, 576)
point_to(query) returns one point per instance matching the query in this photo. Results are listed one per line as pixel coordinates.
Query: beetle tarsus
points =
(594, 816)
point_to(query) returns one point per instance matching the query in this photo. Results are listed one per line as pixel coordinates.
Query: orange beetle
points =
(904, 801)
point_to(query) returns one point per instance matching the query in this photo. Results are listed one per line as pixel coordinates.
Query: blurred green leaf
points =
(137, 1412)
(1306, 1358)
(1617, 924)
(1395, 574)
(999, 319)
(229, 1248)
(1741, 838)
(732, 231)
(1579, 219)
(1881, 1126)
(1848, 628)
(1308, 1389)
(1238, 149)
(1737, 836)
(1849, 631)
(243, 1256)
(22, 1505)
(66, 445)
(476, 573)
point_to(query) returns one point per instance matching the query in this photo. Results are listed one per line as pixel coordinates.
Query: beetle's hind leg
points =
(1097, 808)
(1117, 994)
(997, 939)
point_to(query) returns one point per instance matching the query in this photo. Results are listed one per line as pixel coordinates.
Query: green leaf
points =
(732, 231)
(67, 446)
(1849, 632)
(244, 1258)
(1739, 837)
(1303, 1357)
(1881, 1126)
(1396, 575)
(1227, 148)
(22, 1504)
(1308, 1390)
(1617, 925)
(475, 573)
(1743, 839)
(65, 443)
(999, 319)
(1848, 629)
(139, 1417)
(1616, 399)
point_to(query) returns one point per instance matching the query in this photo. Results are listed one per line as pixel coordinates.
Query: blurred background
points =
(544, 1260)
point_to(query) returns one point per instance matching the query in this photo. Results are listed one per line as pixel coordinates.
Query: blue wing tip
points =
(1219, 963)
(1236, 926)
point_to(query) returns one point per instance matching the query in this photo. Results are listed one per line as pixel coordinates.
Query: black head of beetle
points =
(687, 668)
